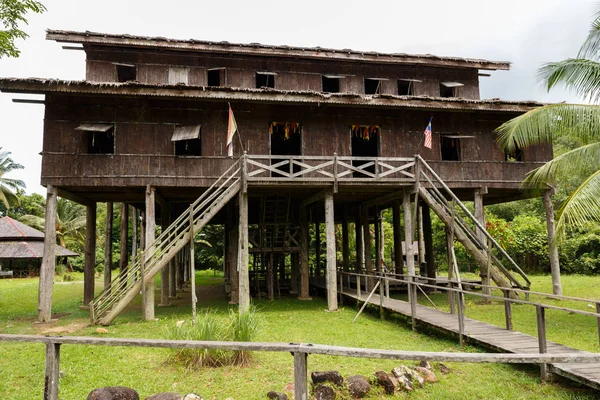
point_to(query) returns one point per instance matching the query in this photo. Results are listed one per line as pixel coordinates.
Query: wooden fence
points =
(300, 352)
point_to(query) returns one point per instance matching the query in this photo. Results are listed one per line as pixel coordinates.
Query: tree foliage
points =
(8, 198)
(12, 16)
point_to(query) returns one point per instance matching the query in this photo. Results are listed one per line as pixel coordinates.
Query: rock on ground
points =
(277, 396)
(113, 393)
(427, 374)
(327, 376)
(384, 381)
(323, 392)
(425, 364)
(165, 396)
(358, 386)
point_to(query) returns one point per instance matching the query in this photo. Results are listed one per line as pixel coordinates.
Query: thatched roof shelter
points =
(19, 241)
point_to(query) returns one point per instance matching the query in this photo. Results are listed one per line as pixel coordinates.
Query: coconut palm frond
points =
(8, 197)
(541, 124)
(569, 164)
(34, 221)
(582, 206)
(591, 47)
(579, 75)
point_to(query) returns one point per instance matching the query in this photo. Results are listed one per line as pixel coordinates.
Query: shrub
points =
(243, 327)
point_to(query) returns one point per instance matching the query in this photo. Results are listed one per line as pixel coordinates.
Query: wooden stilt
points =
(179, 270)
(244, 278)
(90, 254)
(135, 218)
(318, 268)
(304, 283)
(295, 270)
(123, 261)
(428, 238)
(192, 248)
(358, 229)
(270, 267)
(398, 262)
(233, 232)
(367, 246)
(480, 216)
(150, 231)
(172, 264)
(378, 242)
(408, 234)
(553, 248)
(420, 235)
(345, 244)
(450, 251)
(332, 302)
(108, 246)
(49, 258)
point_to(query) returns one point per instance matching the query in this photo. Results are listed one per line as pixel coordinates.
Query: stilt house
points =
(324, 137)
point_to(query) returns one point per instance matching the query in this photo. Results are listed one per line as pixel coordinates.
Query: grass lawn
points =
(286, 320)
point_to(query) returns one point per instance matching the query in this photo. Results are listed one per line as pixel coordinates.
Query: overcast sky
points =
(524, 32)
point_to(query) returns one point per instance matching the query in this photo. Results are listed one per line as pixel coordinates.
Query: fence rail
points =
(300, 352)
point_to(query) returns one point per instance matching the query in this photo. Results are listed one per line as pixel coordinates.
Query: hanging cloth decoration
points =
(285, 128)
(365, 132)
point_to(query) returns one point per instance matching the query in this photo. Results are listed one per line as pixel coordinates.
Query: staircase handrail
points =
(450, 193)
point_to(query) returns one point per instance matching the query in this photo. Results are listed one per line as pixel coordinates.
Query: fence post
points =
(341, 290)
(381, 295)
(300, 376)
(387, 285)
(376, 168)
(507, 310)
(52, 371)
(598, 312)
(541, 328)
(451, 297)
(244, 173)
(412, 298)
(461, 318)
(335, 173)
(358, 284)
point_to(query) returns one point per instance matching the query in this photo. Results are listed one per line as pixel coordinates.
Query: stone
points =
(179, 324)
(444, 370)
(290, 387)
(113, 393)
(409, 374)
(427, 374)
(425, 364)
(192, 396)
(327, 376)
(405, 384)
(385, 382)
(165, 396)
(323, 392)
(277, 396)
(358, 386)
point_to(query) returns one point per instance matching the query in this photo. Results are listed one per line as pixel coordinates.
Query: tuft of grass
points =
(243, 327)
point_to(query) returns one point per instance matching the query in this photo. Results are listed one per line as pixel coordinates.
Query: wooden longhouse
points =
(325, 136)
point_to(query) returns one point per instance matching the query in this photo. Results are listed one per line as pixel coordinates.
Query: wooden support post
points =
(378, 241)
(89, 268)
(331, 276)
(135, 217)
(367, 246)
(408, 234)
(412, 298)
(150, 231)
(180, 270)
(270, 267)
(450, 255)
(318, 269)
(398, 262)
(52, 374)
(428, 237)
(108, 246)
(461, 318)
(421, 235)
(340, 279)
(172, 264)
(345, 244)
(164, 273)
(295, 269)
(304, 283)
(244, 278)
(553, 248)
(49, 258)
(233, 238)
(381, 296)
(480, 216)
(192, 246)
(123, 261)
(360, 253)
(300, 376)
(541, 328)
(507, 310)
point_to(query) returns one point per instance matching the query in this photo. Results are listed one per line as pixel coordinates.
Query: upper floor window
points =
(517, 154)
(450, 89)
(406, 87)
(265, 79)
(331, 83)
(373, 85)
(178, 75)
(187, 140)
(450, 148)
(100, 138)
(215, 77)
(125, 72)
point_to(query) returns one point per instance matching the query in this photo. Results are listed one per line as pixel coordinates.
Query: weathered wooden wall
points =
(152, 67)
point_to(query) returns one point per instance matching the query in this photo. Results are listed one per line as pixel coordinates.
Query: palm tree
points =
(7, 185)
(578, 123)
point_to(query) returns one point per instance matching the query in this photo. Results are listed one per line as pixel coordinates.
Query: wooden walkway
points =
(490, 336)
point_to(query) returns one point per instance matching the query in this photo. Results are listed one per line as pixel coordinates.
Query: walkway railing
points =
(456, 293)
(300, 352)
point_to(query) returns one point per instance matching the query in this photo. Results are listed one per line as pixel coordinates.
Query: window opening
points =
(286, 139)
(406, 87)
(100, 138)
(125, 72)
(187, 140)
(215, 77)
(331, 83)
(265, 79)
(449, 89)
(516, 155)
(450, 147)
(373, 85)
(365, 143)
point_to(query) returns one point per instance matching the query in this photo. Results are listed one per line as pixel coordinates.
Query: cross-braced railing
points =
(148, 263)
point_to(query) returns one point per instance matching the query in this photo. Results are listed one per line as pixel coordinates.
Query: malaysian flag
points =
(428, 134)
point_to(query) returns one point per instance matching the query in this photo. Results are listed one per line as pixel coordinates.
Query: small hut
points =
(22, 248)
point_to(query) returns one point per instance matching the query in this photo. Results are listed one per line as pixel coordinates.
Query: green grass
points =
(286, 320)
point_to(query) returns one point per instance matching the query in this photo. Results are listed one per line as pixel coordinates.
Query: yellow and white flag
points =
(231, 129)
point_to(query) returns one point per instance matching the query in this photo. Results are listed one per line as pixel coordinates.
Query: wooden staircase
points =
(490, 256)
(146, 265)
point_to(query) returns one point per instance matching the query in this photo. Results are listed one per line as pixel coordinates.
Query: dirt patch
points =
(70, 328)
